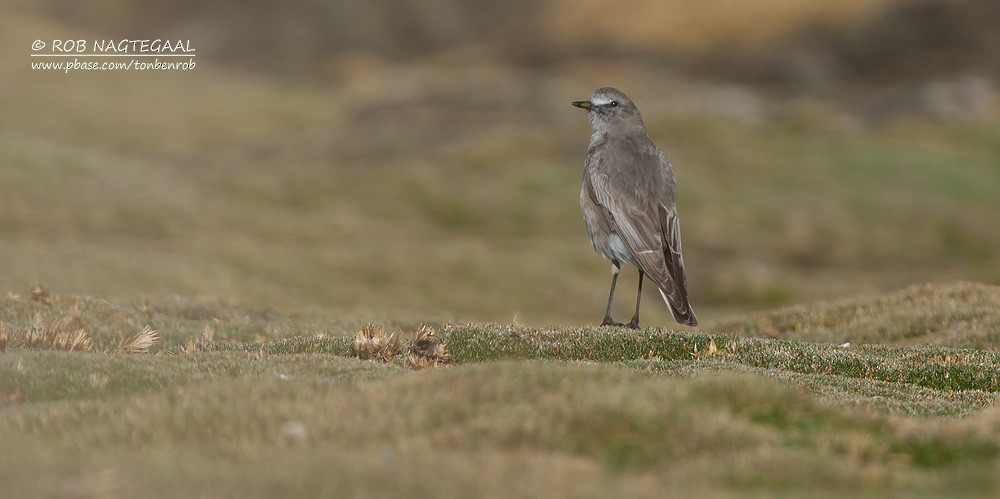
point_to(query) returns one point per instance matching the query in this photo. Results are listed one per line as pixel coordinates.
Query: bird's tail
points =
(676, 284)
(683, 313)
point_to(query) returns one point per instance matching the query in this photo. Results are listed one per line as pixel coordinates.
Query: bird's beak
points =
(585, 104)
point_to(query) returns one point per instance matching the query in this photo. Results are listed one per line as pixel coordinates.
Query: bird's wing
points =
(651, 231)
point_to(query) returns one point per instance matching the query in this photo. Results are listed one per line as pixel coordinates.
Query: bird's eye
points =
(614, 103)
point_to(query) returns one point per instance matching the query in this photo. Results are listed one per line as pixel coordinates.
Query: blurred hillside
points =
(421, 159)
(783, 42)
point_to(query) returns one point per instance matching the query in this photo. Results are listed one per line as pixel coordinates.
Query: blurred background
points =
(420, 159)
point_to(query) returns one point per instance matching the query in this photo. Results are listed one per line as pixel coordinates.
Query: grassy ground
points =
(239, 402)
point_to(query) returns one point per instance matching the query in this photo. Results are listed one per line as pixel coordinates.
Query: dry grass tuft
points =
(77, 340)
(372, 343)
(35, 336)
(424, 348)
(201, 344)
(427, 349)
(4, 336)
(139, 342)
(711, 350)
(52, 336)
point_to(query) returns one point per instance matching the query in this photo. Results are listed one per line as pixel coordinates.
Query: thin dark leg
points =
(634, 323)
(615, 267)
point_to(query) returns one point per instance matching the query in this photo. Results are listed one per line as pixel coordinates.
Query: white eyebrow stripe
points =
(600, 100)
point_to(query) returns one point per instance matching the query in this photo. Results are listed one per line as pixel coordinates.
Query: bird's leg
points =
(615, 267)
(634, 323)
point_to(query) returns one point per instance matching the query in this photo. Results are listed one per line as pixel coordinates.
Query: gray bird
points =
(628, 203)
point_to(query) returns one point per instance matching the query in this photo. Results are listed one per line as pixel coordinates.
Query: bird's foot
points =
(609, 322)
(634, 323)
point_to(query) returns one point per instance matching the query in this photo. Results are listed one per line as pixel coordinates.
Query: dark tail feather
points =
(676, 298)
(681, 309)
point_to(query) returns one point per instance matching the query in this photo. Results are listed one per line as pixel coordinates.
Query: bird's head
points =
(610, 109)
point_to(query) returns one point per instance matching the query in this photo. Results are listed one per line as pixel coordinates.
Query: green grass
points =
(275, 404)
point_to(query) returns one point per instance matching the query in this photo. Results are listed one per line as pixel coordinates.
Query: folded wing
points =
(651, 231)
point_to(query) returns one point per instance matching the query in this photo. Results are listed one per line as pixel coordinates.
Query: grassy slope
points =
(281, 408)
(489, 228)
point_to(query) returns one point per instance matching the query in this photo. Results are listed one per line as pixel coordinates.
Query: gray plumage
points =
(628, 202)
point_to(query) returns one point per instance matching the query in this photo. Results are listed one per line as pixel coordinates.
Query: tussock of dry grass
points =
(427, 349)
(371, 342)
(203, 342)
(55, 335)
(139, 342)
(78, 340)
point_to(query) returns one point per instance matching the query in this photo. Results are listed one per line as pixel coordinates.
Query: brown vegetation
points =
(371, 342)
